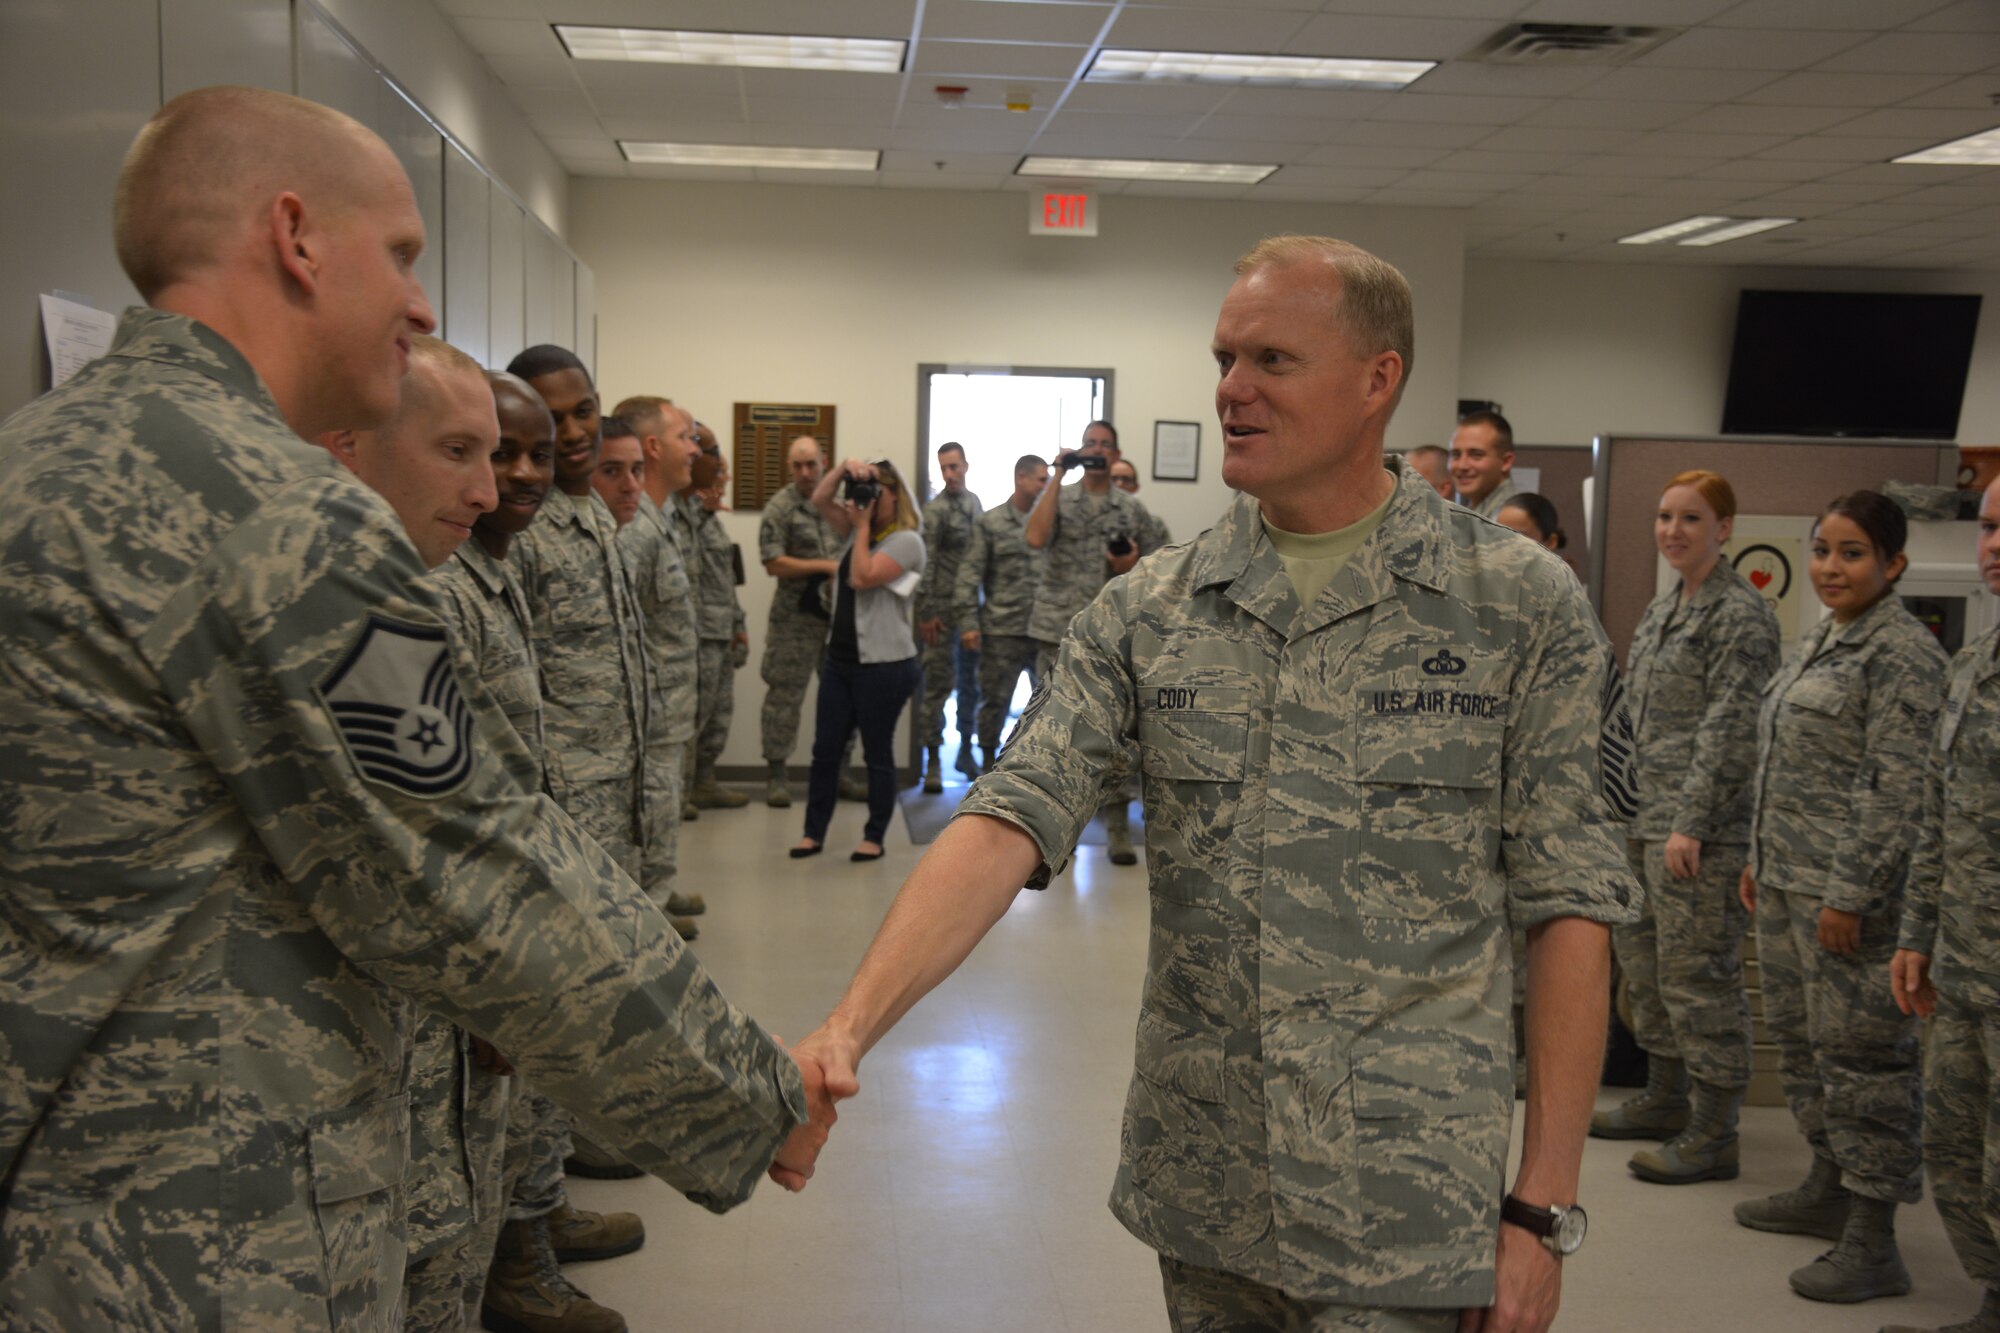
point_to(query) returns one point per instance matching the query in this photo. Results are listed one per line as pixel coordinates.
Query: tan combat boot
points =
(526, 1291)
(1705, 1150)
(578, 1235)
(1660, 1112)
(933, 773)
(690, 904)
(1818, 1207)
(776, 794)
(708, 794)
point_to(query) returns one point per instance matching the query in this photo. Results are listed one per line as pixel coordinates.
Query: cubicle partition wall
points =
(1771, 475)
(1560, 471)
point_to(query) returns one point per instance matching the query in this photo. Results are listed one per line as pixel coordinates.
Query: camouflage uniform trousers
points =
(949, 665)
(1002, 659)
(1208, 1300)
(604, 811)
(1962, 1130)
(1848, 1057)
(660, 815)
(793, 646)
(1683, 962)
(458, 1129)
(715, 708)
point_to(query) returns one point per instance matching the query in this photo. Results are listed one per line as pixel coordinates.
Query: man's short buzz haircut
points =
(644, 411)
(616, 426)
(1503, 431)
(1375, 308)
(428, 353)
(547, 359)
(1027, 463)
(950, 447)
(1425, 450)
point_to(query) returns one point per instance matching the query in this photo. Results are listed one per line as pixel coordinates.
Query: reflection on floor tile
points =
(965, 1186)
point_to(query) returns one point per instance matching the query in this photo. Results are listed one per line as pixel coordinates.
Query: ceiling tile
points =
(1854, 151)
(610, 78)
(1101, 122)
(563, 126)
(1410, 134)
(1828, 88)
(978, 20)
(594, 149)
(1484, 158)
(1488, 111)
(1339, 177)
(1105, 143)
(1857, 15)
(866, 180)
(1146, 99)
(818, 111)
(1976, 91)
(1749, 48)
(1820, 192)
(937, 180)
(1484, 182)
(1186, 190)
(1592, 185)
(1313, 103)
(1552, 139)
(1889, 212)
(1273, 129)
(1306, 194)
(540, 102)
(511, 37)
(1919, 53)
(1670, 13)
(491, 9)
(535, 71)
(1740, 118)
(1965, 16)
(1905, 175)
(1772, 170)
(696, 109)
(662, 172)
(1389, 38)
(1672, 143)
(1371, 156)
(1006, 60)
(1425, 199)
(1216, 28)
(1923, 128)
(1604, 115)
(1691, 188)
(1645, 83)
(1636, 164)
(1475, 79)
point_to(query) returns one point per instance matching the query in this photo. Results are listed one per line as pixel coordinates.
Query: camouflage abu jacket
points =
(948, 523)
(1953, 908)
(1841, 744)
(1001, 565)
(1345, 808)
(256, 809)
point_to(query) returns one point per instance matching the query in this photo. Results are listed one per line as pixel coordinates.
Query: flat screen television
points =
(1881, 364)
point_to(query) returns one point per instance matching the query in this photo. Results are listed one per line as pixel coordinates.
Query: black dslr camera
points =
(860, 491)
(1119, 544)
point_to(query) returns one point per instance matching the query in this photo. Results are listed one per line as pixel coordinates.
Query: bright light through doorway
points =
(999, 417)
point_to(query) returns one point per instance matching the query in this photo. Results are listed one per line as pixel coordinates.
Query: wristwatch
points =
(1560, 1228)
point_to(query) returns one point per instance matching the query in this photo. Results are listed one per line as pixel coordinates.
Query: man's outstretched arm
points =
(963, 884)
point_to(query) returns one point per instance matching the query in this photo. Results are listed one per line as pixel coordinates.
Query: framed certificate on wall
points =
(1176, 450)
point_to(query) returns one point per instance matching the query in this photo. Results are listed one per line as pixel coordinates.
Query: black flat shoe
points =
(801, 853)
(864, 856)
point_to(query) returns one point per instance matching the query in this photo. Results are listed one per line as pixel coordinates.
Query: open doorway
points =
(998, 413)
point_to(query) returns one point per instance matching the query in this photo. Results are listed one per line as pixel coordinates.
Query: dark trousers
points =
(868, 696)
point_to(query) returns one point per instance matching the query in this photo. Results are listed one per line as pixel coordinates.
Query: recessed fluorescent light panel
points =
(1265, 71)
(1705, 230)
(1975, 150)
(1141, 169)
(736, 155)
(865, 55)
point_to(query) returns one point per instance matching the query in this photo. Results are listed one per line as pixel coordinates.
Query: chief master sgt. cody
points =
(1367, 725)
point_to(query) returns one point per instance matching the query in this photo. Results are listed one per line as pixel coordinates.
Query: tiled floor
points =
(964, 1188)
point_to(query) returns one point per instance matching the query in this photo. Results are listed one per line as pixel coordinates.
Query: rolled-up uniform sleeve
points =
(1560, 850)
(472, 894)
(1074, 741)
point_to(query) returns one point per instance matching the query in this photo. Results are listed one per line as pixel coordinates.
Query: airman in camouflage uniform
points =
(994, 597)
(725, 636)
(948, 664)
(1697, 671)
(1154, 533)
(193, 1146)
(796, 544)
(1352, 799)
(1841, 744)
(1947, 963)
(666, 599)
(1076, 526)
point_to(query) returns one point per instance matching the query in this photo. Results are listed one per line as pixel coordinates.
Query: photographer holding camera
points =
(870, 669)
(1092, 531)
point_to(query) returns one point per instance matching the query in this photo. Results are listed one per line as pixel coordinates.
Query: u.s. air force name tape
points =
(398, 709)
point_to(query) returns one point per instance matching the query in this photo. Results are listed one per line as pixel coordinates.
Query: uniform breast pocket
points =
(358, 1156)
(1430, 816)
(1193, 731)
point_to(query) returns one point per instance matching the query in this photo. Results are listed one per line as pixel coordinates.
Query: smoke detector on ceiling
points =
(1567, 44)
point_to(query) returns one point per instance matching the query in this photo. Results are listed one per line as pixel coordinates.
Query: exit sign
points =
(1062, 212)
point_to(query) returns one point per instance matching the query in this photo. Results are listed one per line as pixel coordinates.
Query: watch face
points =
(1570, 1230)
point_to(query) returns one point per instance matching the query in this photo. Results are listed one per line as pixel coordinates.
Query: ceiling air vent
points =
(1567, 44)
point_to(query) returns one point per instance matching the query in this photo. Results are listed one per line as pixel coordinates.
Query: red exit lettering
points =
(1064, 210)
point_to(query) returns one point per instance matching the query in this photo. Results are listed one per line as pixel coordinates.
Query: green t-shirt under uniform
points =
(1311, 559)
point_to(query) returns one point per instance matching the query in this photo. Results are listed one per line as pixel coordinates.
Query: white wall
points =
(1576, 350)
(712, 294)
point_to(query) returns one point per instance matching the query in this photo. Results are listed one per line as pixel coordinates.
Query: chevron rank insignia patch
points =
(397, 707)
